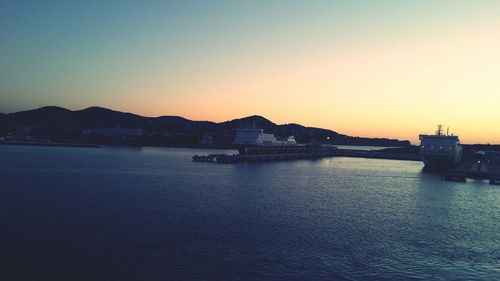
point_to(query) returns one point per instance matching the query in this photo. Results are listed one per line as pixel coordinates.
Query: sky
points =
(366, 68)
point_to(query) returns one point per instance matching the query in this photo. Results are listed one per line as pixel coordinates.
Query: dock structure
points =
(495, 179)
(494, 172)
(255, 145)
(205, 158)
(487, 168)
(374, 154)
(276, 153)
(451, 176)
(235, 158)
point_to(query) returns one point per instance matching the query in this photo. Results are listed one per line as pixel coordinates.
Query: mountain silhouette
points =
(179, 130)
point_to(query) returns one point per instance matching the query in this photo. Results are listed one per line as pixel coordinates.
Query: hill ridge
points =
(53, 122)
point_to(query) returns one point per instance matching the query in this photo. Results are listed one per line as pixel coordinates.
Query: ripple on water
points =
(151, 213)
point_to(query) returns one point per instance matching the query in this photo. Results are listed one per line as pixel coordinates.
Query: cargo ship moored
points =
(255, 145)
(440, 151)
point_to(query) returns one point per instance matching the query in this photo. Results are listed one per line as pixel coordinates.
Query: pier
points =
(268, 155)
(376, 154)
(482, 166)
(235, 158)
(220, 158)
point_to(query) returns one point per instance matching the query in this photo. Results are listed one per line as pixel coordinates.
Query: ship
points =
(440, 150)
(254, 144)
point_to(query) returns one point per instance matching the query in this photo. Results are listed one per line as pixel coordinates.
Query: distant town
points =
(96, 125)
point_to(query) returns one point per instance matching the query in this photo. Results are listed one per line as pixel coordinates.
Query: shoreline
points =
(374, 154)
(221, 147)
(54, 144)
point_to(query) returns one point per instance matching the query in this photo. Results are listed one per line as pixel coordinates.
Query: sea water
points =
(122, 213)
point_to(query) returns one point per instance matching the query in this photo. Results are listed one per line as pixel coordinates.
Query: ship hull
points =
(435, 160)
(255, 145)
(283, 151)
(262, 149)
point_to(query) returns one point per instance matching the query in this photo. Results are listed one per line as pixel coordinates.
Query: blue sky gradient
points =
(185, 57)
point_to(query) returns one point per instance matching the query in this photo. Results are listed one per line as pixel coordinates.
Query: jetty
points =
(218, 158)
(275, 154)
(393, 154)
(235, 158)
(484, 165)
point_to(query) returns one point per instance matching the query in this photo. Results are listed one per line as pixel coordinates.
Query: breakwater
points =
(483, 166)
(235, 158)
(377, 154)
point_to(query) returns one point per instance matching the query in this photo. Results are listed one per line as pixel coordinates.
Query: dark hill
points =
(41, 115)
(103, 117)
(54, 122)
(254, 121)
(177, 122)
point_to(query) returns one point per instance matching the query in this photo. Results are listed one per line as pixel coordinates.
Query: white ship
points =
(254, 144)
(440, 150)
(257, 137)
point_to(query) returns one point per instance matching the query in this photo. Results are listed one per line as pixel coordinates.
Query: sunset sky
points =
(369, 68)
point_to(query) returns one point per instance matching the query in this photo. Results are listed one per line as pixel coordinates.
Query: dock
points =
(375, 154)
(487, 168)
(314, 154)
(219, 158)
(235, 158)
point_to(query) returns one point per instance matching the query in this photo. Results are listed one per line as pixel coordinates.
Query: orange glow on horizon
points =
(395, 92)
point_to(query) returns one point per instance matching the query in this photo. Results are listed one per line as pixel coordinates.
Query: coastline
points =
(376, 154)
(56, 144)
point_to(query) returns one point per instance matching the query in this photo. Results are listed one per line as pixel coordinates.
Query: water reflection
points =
(162, 215)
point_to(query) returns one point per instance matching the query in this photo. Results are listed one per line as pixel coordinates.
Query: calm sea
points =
(117, 213)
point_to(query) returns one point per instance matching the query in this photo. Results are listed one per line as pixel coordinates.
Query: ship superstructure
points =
(255, 141)
(440, 150)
